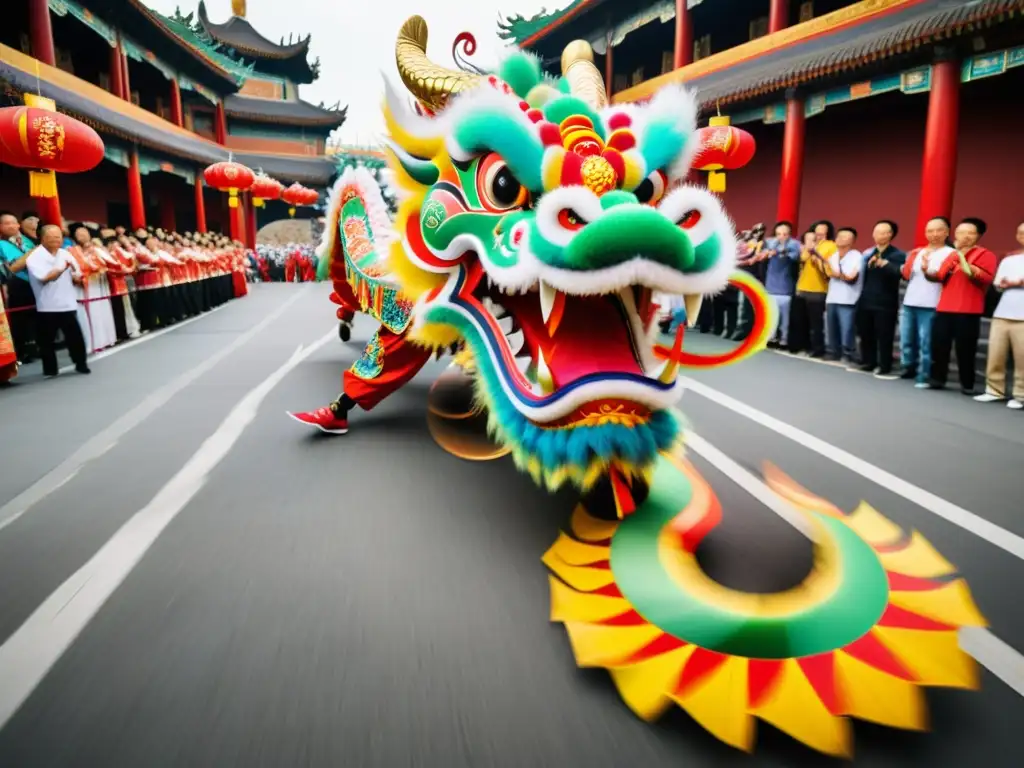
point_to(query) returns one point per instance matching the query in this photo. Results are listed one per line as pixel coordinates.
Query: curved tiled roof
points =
(902, 32)
(115, 117)
(771, 64)
(297, 112)
(525, 32)
(239, 34)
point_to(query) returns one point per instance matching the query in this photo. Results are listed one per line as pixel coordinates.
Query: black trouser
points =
(725, 309)
(117, 307)
(807, 323)
(877, 329)
(21, 315)
(47, 325)
(959, 330)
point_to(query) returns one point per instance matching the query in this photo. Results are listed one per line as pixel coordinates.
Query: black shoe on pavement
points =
(83, 369)
(908, 373)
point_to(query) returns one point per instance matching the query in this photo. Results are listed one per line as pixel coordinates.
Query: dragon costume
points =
(536, 222)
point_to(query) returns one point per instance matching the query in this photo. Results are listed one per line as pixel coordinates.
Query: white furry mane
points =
(376, 210)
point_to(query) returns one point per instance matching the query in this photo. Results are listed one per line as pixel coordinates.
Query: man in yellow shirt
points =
(808, 313)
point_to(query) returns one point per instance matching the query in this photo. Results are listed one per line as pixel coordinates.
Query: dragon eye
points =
(651, 189)
(690, 219)
(499, 189)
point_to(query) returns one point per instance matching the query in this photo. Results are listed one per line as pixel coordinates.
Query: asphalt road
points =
(372, 601)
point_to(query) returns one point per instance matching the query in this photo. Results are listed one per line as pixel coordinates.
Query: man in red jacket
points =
(965, 275)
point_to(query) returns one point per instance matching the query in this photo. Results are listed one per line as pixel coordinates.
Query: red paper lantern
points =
(265, 188)
(294, 195)
(231, 176)
(723, 147)
(43, 140)
(310, 197)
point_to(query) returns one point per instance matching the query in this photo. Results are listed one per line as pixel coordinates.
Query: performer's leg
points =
(388, 363)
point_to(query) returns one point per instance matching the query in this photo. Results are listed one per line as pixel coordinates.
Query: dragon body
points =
(535, 223)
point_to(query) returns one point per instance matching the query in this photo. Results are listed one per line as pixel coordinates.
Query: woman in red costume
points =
(8, 357)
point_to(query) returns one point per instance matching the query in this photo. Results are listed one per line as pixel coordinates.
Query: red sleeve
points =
(952, 262)
(984, 264)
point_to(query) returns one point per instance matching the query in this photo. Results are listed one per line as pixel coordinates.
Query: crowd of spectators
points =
(94, 287)
(838, 302)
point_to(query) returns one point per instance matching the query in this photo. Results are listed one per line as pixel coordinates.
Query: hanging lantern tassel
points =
(232, 197)
(291, 212)
(716, 176)
(258, 202)
(42, 183)
(49, 139)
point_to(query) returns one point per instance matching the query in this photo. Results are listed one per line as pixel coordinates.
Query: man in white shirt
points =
(1006, 333)
(846, 278)
(53, 273)
(924, 287)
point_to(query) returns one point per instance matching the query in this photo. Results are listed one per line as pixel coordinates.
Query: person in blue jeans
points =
(919, 302)
(783, 255)
(846, 279)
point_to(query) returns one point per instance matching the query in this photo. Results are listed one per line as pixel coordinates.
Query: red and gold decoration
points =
(265, 188)
(39, 138)
(723, 147)
(231, 177)
(297, 195)
(294, 196)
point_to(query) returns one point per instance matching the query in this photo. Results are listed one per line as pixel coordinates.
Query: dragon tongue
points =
(552, 307)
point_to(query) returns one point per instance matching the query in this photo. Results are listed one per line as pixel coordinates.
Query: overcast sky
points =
(355, 41)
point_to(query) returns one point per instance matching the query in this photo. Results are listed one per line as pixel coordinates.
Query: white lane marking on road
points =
(988, 650)
(938, 506)
(105, 440)
(143, 339)
(39, 643)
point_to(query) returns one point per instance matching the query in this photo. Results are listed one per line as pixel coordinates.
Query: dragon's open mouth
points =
(566, 359)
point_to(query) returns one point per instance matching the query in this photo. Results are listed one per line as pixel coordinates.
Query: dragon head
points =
(535, 224)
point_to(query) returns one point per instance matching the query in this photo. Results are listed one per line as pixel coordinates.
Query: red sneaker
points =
(323, 419)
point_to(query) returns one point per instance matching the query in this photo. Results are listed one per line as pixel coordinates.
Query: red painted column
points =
(168, 220)
(221, 125)
(116, 72)
(778, 15)
(177, 115)
(792, 177)
(41, 32)
(126, 82)
(938, 172)
(683, 51)
(250, 229)
(200, 204)
(136, 202)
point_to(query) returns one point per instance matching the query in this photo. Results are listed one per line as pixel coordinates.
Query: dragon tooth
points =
(523, 364)
(552, 306)
(515, 341)
(544, 378)
(666, 372)
(692, 302)
(505, 323)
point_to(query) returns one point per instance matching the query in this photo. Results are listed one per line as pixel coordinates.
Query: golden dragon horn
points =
(431, 84)
(585, 81)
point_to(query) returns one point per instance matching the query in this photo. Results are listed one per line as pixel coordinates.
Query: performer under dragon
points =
(537, 220)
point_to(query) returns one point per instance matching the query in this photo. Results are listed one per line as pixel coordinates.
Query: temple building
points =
(169, 96)
(897, 109)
